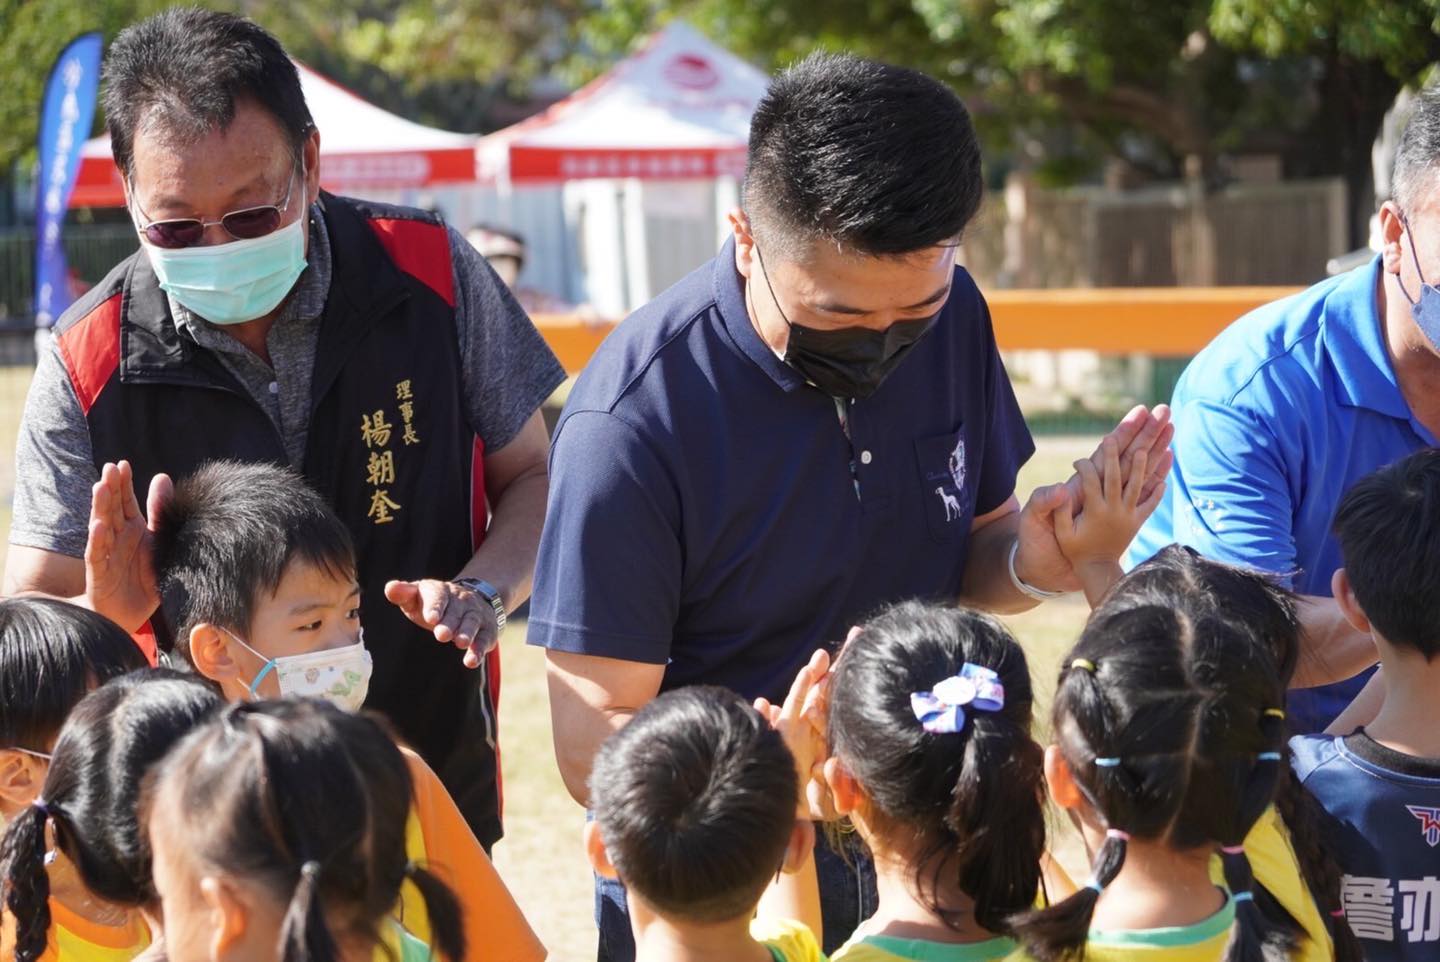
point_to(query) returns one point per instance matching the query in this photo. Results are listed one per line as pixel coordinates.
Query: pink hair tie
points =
(1116, 833)
(1338, 914)
(1233, 849)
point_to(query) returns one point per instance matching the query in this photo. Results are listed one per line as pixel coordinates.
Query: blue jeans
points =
(847, 898)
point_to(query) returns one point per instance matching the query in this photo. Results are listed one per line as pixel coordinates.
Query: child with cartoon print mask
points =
(257, 582)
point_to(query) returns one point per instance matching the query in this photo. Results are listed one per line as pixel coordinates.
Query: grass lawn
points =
(541, 858)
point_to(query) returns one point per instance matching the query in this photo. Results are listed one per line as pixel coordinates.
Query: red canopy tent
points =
(362, 148)
(679, 109)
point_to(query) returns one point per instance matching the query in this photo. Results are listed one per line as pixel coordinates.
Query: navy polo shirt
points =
(1274, 421)
(703, 513)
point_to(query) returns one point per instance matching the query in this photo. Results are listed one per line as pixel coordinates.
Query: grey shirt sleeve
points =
(54, 466)
(508, 369)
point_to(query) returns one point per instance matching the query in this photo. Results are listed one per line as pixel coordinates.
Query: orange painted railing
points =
(1166, 321)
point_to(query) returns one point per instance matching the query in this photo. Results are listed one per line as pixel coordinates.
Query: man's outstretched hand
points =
(454, 614)
(119, 551)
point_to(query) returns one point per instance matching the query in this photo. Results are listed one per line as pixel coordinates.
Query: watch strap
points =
(490, 594)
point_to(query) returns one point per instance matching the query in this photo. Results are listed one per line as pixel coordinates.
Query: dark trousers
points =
(847, 898)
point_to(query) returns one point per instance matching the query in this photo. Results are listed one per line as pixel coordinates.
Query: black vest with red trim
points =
(389, 447)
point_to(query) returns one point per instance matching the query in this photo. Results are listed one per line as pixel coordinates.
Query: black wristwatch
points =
(491, 596)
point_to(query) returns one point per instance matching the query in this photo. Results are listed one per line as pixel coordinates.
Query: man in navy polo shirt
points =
(1290, 406)
(813, 425)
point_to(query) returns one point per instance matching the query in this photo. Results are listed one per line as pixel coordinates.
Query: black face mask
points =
(852, 362)
(848, 362)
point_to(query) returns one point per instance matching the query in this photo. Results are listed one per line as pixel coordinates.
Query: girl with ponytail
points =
(278, 831)
(928, 726)
(76, 852)
(1169, 749)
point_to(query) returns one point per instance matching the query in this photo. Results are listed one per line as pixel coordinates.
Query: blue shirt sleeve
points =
(1231, 497)
(607, 577)
(1008, 444)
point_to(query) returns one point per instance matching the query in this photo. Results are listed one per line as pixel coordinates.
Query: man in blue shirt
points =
(1292, 404)
(812, 425)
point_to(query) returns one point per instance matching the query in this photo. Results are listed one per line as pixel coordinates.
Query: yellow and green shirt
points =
(1205, 941)
(883, 948)
(787, 941)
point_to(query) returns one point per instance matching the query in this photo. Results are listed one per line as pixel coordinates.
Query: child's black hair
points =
(229, 533)
(309, 801)
(971, 802)
(52, 653)
(1388, 525)
(90, 794)
(1168, 713)
(1269, 610)
(695, 800)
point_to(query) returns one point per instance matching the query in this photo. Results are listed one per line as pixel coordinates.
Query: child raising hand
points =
(1113, 512)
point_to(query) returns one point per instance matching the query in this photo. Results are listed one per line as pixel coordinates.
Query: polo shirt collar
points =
(729, 290)
(1355, 343)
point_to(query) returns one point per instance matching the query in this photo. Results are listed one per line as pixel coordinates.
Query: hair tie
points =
(1274, 713)
(1084, 664)
(1268, 757)
(1107, 763)
(410, 869)
(1116, 833)
(1094, 885)
(1233, 849)
(941, 711)
(1243, 896)
(42, 805)
(310, 869)
(1338, 914)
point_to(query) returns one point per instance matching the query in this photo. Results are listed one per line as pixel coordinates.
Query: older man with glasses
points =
(368, 346)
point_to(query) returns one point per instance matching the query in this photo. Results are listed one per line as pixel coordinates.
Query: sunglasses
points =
(246, 224)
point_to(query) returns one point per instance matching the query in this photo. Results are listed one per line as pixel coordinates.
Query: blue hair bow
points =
(941, 711)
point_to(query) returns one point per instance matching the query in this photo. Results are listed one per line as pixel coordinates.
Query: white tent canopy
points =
(362, 148)
(678, 109)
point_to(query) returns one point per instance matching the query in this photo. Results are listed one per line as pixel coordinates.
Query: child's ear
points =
(228, 917)
(1344, 594)
(1061, 780)
(210, 653)
(595, 851)
(21, 776)
(845, 791)
(801, 846)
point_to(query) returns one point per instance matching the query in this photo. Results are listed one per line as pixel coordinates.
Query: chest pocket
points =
(944, 488)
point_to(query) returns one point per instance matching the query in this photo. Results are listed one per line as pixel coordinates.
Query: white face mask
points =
(340, 676)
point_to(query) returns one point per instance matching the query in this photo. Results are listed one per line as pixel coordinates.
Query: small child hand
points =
(795, 720)
(1110, 517)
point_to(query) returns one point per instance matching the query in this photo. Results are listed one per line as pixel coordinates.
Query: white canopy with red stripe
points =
(362, 149)
(677, 110)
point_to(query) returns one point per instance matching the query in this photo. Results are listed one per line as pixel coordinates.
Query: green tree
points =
(443, 62)
(1167, 86)
(1363, 54)
(32, 34)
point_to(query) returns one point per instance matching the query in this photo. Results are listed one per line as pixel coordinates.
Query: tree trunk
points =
(1354, 97)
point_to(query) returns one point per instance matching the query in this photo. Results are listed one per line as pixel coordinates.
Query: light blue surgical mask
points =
(1426, 308)
(235, 282)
